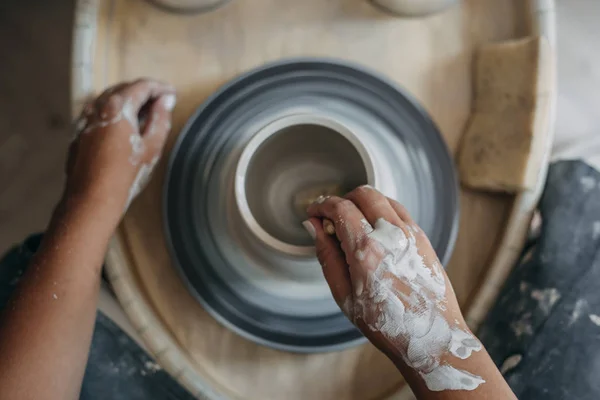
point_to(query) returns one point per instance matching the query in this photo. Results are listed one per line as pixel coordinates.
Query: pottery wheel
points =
(266, 293)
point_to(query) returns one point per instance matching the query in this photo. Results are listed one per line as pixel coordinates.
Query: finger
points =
(373, 205)
(425, 248)
(112, 89)
(104, 97)
(347, 219)
(401, 211)
(332, 260)
(157, 128)
(143, 90)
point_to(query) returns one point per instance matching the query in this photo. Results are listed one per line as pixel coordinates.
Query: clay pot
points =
(290, 156)
(414, 8)
(189, 6)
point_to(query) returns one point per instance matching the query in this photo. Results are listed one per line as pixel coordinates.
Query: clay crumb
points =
(522, 326)
(595, 319)
(587, 182)
(596, 230)
(510, 363)
(321, 199)
(546, 298)
(328, 227)
(152, 366)
(54, 296)
(579, 304)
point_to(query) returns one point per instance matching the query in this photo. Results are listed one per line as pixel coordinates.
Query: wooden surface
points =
(432, 58)
(34, 113)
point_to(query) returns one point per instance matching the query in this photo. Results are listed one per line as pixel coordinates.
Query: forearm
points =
(479, 363)
(49, 321)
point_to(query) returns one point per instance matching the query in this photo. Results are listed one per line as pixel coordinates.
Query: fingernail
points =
(168, 101)
(310, 228)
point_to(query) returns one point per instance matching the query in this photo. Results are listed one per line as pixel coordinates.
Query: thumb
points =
(333, 261)
(157, 129)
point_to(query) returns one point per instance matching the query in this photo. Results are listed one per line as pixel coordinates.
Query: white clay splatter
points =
(510, 363)
(54, 296)
(596, 230)
(522, 326)
(580, 304)
(595, 319)
(169, 101)
(152, 366)
(413, 322)
(588, 183)
(141, 179)
(546, 298)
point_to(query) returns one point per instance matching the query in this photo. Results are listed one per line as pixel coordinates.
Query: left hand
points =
(119, 140)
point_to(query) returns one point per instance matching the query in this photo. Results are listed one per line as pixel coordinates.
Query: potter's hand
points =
(120, 136)
(386, 277)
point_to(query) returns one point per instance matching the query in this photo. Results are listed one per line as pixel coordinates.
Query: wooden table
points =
(117, 40)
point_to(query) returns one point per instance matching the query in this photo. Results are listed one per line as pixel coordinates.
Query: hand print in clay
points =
(119, 139)
(393, 287)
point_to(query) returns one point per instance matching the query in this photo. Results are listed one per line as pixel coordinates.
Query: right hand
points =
(351, 258)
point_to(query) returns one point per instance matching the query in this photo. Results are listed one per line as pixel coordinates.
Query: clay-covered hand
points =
(119, 139)
(386, 277)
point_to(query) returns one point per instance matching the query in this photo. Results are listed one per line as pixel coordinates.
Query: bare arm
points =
(46, 330)
(387, 279)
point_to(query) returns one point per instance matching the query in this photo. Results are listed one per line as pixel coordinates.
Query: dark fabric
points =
(546, 323)
(117, 368)
(13, 265)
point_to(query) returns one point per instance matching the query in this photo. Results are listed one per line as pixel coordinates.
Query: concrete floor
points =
(35, 41)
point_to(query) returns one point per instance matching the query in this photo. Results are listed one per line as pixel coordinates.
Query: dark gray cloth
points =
(546, 323)
(117, 368)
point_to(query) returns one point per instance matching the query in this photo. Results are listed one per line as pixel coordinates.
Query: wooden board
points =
(118, 40)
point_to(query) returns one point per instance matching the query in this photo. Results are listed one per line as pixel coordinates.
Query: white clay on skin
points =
(412, 318)
(141, 179)
(126, 112)
(137, 148)
(446, 377)
(169, 101)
